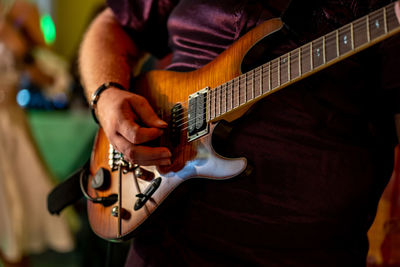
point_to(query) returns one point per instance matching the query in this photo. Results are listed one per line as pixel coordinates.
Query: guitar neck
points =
(302, 62)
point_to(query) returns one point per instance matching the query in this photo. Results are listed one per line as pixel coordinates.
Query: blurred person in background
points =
(25, 225)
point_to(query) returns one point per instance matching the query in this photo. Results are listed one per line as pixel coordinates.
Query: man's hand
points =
(397, 10)
(129, 121)
(108, 53)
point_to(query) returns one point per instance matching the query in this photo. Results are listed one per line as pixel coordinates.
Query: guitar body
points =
(194, 159)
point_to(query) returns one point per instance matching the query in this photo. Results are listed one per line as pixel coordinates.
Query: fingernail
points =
(162, 123)
(167, 154)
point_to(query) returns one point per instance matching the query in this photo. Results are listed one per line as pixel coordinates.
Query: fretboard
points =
(302, 62)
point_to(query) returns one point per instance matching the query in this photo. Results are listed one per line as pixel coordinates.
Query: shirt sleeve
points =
(145, 21)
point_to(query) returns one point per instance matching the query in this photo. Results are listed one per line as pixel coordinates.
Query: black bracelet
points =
(96, 95)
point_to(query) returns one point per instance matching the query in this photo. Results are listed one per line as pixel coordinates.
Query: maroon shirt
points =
(322, 149)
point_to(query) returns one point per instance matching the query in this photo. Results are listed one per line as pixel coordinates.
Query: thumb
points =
(146, 113)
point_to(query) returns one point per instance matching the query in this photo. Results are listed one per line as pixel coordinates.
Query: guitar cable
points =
(105, 201)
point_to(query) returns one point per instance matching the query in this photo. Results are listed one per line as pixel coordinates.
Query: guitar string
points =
(222, 108)
(275, 68)
(357, 24)
(221, 103)
(274, 62)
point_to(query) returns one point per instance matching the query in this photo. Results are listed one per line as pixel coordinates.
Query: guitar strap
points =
(74, 188)
(67, 192)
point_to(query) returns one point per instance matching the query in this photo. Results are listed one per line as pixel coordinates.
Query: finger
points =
(135, 134)
(397, 10)
(146, 113)
(158, 162)
(145, 153)
(141, 154)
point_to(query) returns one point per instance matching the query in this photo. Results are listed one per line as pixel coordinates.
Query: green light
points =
(48, 29)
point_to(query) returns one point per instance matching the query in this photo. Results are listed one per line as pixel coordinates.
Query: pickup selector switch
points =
(148, 192)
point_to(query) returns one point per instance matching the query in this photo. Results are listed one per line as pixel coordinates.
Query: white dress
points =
(25, 225)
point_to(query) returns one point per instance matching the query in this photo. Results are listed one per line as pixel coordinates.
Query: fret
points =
(229, 96)
(294, 64)
(261, 79)
(217, 101)
(250, 86)
(288, 68)
(376, 24)
(311, 56)
(232, 93)
(299, 55)
(236, 93)
(223, 98)
(212, 106)
(360, 32)
(392, 21)
(337, 43)
(368, 31)
(352, 35)
(274, 72)
(284, 69)
(385, 20)
(305, 59)
(242, 89)
(324, 48)
(279, 71)
(345, 42)
(317, 53)
(258, 81)
(253, 93)
(220, 98)
(208, 105)
(265, 78)
(268, 78)
(250, 79)
(246, 88)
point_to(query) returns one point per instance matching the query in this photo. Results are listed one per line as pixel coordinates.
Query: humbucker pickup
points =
(197, 119)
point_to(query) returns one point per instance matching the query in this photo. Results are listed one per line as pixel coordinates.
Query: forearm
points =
(107, 54)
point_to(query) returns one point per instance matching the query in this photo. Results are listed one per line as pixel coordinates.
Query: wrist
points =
(99, 91)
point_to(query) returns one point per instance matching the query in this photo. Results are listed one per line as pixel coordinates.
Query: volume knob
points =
(101, 179)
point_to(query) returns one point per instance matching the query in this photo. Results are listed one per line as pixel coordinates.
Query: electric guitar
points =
(193, 103)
